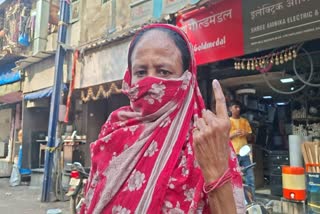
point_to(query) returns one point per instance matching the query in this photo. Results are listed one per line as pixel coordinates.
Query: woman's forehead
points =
(156, 40)
(154, 34)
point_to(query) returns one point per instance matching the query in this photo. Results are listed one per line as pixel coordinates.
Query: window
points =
(113, 16)
(75, 11)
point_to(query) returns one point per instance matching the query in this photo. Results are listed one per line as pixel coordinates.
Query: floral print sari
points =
(143, 160)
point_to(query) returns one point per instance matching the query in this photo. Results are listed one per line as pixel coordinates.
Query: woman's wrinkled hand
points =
(211, 137)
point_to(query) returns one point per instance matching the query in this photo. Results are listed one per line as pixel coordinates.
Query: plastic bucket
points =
(24, 171)
(293, 183)
(313, 187)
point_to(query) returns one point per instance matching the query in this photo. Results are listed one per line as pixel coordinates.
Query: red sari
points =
(143, 160)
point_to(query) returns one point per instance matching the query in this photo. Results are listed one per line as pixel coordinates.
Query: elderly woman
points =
(164, 153)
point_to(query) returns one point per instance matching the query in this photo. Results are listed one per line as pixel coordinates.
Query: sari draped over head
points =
(143, 160)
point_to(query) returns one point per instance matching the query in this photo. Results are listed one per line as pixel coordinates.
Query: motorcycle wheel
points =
(75, 201)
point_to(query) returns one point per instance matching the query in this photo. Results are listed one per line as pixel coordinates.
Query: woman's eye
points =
(140, 73)
(164, 72)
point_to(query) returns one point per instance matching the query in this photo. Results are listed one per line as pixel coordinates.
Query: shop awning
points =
(7, 75)
(44, 93)
(13, 97)
(10, 93)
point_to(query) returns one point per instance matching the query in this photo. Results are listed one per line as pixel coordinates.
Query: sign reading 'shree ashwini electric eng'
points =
(273, 23)
(215, 32)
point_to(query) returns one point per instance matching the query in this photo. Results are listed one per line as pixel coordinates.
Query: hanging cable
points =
(294, 91)
(280, 91)
(311, 69)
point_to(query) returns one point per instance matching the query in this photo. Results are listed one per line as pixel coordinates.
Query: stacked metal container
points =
(274, 160)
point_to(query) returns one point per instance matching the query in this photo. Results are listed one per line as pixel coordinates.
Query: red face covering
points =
(143, 161)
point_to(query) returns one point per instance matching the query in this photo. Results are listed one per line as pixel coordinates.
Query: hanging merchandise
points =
(265, 63)
(31, 26)
(16, 26)
(23, 28)
(101, 92)
(71, 87)
(10, 26)
(24, 39)
(304, 85)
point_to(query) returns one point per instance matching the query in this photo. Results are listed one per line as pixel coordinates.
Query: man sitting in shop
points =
(239, 132)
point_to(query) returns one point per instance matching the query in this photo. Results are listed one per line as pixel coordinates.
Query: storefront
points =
(266, 55)
(10, 113)
(10, 124)
(38, 73)
(92, 107)
(97, 87)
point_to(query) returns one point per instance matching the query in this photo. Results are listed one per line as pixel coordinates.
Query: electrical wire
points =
(311, 69)
(299, 89)
(283, 92)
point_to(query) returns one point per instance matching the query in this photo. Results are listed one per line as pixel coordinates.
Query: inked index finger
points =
(221, 107)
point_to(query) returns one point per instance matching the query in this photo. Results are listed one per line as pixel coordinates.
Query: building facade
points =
(15, 26)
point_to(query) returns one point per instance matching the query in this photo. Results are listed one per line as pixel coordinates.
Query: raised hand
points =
(211, 136)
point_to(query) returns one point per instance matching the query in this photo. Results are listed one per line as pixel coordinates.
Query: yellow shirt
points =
(237, 124)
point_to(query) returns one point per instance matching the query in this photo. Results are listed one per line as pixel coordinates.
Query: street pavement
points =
(25, 200)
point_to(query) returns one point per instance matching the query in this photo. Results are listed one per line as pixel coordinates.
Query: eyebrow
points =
(139, 67)
(143, 66)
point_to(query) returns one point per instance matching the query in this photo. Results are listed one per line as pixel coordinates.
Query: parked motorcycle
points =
(252, 206)
(78, 178)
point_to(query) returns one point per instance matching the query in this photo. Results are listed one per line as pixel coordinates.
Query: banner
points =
(273, 23)
(215, 32)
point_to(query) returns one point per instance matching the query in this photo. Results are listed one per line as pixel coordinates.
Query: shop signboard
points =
(216, 31)
(273, 23)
